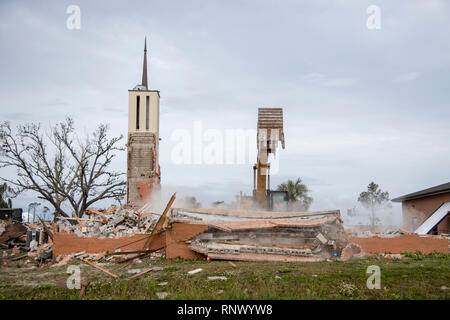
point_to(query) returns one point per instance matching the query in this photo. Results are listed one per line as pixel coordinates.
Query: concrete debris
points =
(206, 233)
(63, 261)
(322, 238)
(157, 269)
(251, 235)
(217, 278)
(11, 232)
(195, 271)
(33, 245)
(393, 256)
(134, 271)
(351, 251)
(45, 255)
(162, 284)
(141, 273)
(162, 295)
(114, 222)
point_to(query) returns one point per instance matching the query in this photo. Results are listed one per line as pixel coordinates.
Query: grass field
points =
(417, 276)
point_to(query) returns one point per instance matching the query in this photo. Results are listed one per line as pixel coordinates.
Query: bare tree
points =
(69, 172)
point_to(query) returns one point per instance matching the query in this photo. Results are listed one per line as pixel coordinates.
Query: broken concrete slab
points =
(162, 295)
(157, 269)
(217, 278)
(134, 271)
(293, 236)
(195, 271)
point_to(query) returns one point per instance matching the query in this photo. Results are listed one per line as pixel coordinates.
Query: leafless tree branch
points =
(62, 169)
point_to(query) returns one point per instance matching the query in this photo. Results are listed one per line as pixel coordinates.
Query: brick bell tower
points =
(143, 171)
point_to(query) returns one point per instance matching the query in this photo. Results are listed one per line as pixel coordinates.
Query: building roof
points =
(442, 188)
(271, 119)
(220, 214)
(230, 226)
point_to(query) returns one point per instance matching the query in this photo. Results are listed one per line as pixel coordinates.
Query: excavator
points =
(269, 134)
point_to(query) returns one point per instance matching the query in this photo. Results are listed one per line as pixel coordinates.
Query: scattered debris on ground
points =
(122, 235)
(217, 278)
(162, 295)
(195, 271)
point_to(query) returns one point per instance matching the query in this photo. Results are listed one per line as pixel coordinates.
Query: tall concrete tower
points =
(143, 171)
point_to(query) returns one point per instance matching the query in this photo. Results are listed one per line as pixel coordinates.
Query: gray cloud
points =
(359, 104)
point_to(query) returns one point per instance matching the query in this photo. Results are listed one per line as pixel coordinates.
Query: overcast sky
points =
(359, 105)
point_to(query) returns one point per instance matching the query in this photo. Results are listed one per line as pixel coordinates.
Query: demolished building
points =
(265, 236)
(196, 233)
(222, 234)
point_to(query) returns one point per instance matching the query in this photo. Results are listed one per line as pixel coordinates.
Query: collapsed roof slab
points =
(218, 214)
(262, 223)
(264, 236)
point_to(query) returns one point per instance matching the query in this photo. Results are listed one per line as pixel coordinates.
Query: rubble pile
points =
(12, 233)
(265, 236)
(35, 241)
(114, 222)
(125, 234)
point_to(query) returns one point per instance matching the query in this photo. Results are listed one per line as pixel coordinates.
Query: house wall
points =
(176, 237)
(416, 211)
(64, 243)
(405, 243)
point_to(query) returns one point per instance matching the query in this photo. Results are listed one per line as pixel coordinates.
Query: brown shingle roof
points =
(442, 188)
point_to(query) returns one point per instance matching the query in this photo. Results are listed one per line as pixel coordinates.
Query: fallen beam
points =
(100, 268)
(140, 273)
(131, 252)
(160, 222)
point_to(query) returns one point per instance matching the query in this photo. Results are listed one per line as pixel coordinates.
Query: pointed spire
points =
(144, 70)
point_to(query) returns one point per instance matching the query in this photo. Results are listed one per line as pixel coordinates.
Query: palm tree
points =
(297, 193)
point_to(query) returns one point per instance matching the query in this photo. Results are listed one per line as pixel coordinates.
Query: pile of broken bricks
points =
(114, 222)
